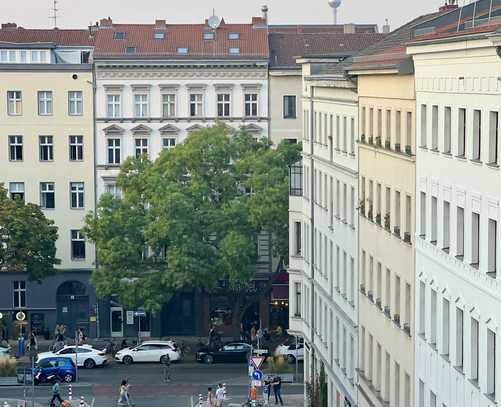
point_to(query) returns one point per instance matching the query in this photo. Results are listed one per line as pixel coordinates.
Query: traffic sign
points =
(257, 375)
(257, 383)
(139, 313)
(257, 361)
(20, 316)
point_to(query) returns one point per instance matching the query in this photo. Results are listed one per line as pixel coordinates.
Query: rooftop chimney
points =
(264, 10)
(349, 28)
(449, 5)
(106, 22)
(386, 27)
(160, 24)
(9, 26)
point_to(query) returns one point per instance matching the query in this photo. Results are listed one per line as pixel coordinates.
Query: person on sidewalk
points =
(277, 390)
(267, 391)
(124, 398)
(210, 398)
(219, 395)
(55, 393)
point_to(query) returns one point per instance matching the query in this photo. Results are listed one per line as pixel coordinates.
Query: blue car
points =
(49, 369)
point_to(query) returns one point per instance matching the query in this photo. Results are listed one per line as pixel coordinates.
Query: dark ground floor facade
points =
(69, 298)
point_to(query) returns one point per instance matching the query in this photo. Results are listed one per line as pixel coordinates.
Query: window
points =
(130, 50)
(433, 318)
(461, 133)
(494, 138)
(76, 148)
(477, 135)
(114, 151)
(447, 130)
(77, 195)
(19, 292)
(446, 233)
(352, 136)
(141, 147)
(423, 215)
(345, 135)
(397, 300)
(159, 35)
(407, 390)
(77, 245)
(208, 35)
(421, 394)
(113, 106)
(387, 300)
(251, 104)
(491, 362)
(196, 105)
(475, 239)
(492, 248)
(387, 136)
(387, 368)
(408, 134)
(223, 105)
(119, 35)
(460, 233)
(140, 105)
(169, 105)
(433, 399)
(16, 148)
(46, 148)
(75, 103)
(397, 214)
(459, 338)
(397, 385)
(474, 351)
(297, 238)
(289, 107)
(446, 327)
(47, 195)
(234, 36)
(422, 309)
(434, 220)
(234, 51)
(16, 190)
(398, 130)
(14, 102)
(423, 127)
(182, 50)
(408, 314)
(113, 189)
(7, 56)
(45, 103)
(297, 292)
(434, 128)
(168, 142)
(22, 56)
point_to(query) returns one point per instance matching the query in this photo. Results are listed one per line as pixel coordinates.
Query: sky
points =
(79, 13)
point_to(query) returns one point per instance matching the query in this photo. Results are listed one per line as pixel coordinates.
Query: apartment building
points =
(458, 294)
(47, 158)
(323, 224)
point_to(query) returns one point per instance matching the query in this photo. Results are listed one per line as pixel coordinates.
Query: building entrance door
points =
(117, 322)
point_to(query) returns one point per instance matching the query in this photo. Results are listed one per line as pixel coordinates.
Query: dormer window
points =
(234, 36)
(130, 50)
(159, 35)
(119, 35)
(234, 51)
(208, 35)
(182, 50)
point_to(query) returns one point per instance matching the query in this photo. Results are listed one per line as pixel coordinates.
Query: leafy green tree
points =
(190, 220)
(27, 238)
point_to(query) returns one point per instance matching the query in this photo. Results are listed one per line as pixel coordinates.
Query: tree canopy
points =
(191, 218)
(27, 238)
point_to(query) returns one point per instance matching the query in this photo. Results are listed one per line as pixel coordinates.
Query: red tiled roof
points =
(319, 28)
(252, 42)
(19, 35)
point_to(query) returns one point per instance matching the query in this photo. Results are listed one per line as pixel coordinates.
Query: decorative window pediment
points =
(252, 129)
(195, 127)
(113, 130)
(169, 129)
(141, 129)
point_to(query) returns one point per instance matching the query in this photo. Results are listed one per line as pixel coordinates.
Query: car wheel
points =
(89, 364)
(68, 378)
(209, 359)
(127, 360)
(291, 359)
(165, 359)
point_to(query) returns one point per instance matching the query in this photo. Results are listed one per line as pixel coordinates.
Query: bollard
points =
(82, 402)
(224, 391)
(70, 392)
(200, 400)
(5, 404)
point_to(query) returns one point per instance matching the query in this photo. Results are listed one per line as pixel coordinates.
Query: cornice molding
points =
(200, 74)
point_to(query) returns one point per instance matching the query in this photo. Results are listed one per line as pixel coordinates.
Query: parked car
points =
(228, 353)
(291, 352)
(150, 351)
(85, 356)
(52, 367)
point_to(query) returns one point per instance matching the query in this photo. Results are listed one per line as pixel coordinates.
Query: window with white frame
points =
(141, 147)
(494, 138)
(19, 294)
(140, 105)
(223, 105)
(434, 128)
(77, 195)
(8, 56)
(113, 106)
(46, 148)
(446, 327)
(433, 318)
(424, 125)
(475, 240)
(114, 156)
(289, 107)
(446, 226)
(77, 245)
(168, 142)
(461, 143)
(251, 104)
(459, 338)
(196, 104)
(492, 247)
(45, 107)
(16, 190)
(169, 105)
(447, 129)
(460, 232)
(75, 103)
(47, 195)
(477, 135)
(14, 102)
(297, 297)
(474, 349)
(76, 148)
(16, 148)
(113, 189)
(491, 363)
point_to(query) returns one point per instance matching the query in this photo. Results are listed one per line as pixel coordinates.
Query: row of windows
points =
(181, 50)
(383, 373)
(141, 148)
(455, 224)
(371, 206)
(461, 122)
(196, 105)
(456, 335)
(45, 103)
(45, 148)
(48, 194)
(161, 34)
(385, 288)
(35, 56)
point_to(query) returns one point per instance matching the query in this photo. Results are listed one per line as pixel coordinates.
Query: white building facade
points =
(458, 287)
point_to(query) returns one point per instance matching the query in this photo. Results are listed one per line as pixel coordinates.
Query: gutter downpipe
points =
(312, 231)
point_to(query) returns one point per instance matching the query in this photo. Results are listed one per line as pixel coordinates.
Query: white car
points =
(85, 356)
(290, 352)
(150, 351)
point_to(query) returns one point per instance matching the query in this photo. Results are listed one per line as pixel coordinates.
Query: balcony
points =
(407, 328)
(396, 319)
(396, 231)
(408, 150)
(379, 303)
(407, 237)
(397, 147)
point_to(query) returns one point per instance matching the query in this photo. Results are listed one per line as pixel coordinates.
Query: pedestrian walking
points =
(33, 342)
(219, 395)
(124, 396)
(210, 398)
(80, 336)
(277, 390)
(266, 391)
(166, 369)
(212, 336)
(20, 345)
(55, 393)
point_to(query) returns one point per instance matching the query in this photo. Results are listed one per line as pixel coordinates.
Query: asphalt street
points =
(188, 380)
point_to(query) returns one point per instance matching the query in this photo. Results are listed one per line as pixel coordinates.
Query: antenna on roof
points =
(54, 13)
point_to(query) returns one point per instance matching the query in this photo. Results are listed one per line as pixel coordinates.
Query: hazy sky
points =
(78, 13)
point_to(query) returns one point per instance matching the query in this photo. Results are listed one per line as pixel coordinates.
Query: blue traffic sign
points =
(257, 375)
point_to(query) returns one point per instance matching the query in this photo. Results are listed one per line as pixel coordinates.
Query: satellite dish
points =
(214, 22)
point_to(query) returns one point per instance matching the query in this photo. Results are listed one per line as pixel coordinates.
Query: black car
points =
(228, 353)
